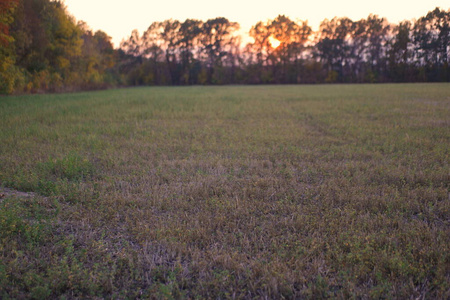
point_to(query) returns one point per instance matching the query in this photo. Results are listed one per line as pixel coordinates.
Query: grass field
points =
(327, 191)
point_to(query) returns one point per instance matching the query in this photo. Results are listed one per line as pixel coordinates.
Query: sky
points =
(119, 18)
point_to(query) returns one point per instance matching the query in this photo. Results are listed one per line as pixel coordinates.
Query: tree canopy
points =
(43, 49)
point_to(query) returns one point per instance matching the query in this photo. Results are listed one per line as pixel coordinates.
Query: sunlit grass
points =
(221, 192)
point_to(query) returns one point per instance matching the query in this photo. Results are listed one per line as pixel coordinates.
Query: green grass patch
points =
(327, 191)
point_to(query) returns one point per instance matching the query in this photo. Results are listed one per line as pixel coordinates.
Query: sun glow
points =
(274, 42)
(140, 14)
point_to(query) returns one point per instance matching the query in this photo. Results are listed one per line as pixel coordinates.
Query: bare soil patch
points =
(7, 192)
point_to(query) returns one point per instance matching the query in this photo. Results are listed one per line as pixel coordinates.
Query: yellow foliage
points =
(62, 63)
(10, 75)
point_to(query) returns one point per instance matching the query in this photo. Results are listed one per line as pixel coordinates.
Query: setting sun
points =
(274, 42)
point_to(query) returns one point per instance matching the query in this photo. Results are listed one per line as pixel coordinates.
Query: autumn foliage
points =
(6, 9)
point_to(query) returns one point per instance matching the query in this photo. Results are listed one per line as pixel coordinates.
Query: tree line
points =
(43, 48)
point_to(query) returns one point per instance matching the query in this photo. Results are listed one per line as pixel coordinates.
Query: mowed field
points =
(325, 191)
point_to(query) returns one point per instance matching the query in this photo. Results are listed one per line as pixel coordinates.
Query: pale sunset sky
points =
(119, 18)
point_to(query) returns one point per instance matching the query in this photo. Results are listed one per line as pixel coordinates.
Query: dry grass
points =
(227, 192)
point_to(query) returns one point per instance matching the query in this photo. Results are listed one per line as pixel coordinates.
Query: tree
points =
(283, 59)
(134, 45)
(65, 42)
(9, 74)
(171, 39)
(218, 39)
(335, 47)
(47, 44)
(292, 37)
(353, 51)
(431, 38)
(152, 41)
(400, 53)
(7, 8)
(258, 52)
(377, 32)
(189, 44)
(97, 60)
